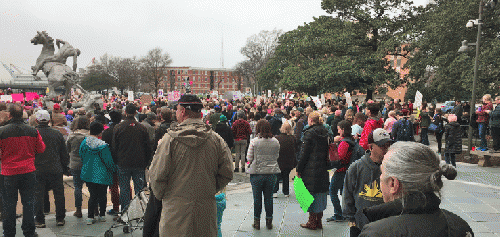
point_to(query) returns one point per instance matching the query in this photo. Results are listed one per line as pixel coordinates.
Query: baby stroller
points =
(132, 217)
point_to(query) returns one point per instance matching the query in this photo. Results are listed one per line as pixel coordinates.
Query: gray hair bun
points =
(447, 170)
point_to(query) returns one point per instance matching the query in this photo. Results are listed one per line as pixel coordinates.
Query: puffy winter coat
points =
(98, 166)
(312, 160)
(453, 138)
(263, 154)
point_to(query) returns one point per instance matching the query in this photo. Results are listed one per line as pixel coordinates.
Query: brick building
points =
(223, 79)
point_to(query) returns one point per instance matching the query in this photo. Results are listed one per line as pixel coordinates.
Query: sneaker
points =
(484, 149)
(61, 223)
(113, 212)
(90, 221)
(40, 225)
(275, 195)
(236, 170)
(287, 196)
(101, 219)
(242, 170)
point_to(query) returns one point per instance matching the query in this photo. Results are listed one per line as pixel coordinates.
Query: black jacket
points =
(420, 217)
(131, 144)
(226, 133)
(55, 158)
(312, 160)
(453, 138)
(107, 136)
(162, 129)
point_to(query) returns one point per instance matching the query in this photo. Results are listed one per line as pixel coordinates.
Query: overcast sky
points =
(190, 31)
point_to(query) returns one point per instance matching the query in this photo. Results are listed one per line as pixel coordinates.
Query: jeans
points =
(240, 148)
(115, 194)
(263, 183)
(336, 186)
(124, 175)
(25, 184)
(439, 137)
(48, 181)
(78, 183)
(495, 134)
(285, 176)
(482, 134)
(97, 197)
(424, 136)
(450, 159)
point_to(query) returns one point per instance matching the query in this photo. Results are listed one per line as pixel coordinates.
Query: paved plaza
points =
(474, 196)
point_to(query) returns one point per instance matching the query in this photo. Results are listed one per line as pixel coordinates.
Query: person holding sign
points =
(312, 168)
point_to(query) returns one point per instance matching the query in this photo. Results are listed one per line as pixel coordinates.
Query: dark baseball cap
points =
(191, 102)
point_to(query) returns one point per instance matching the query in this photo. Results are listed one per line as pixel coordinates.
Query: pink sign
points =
(17, 97)
(173, 96)
(32, 96)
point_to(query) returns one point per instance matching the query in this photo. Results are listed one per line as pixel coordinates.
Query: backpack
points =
(357, 151)
(405, 130)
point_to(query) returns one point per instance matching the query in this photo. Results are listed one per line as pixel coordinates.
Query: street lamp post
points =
(478, 22)
(474, 84)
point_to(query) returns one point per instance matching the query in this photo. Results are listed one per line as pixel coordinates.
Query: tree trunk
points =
(369, 94)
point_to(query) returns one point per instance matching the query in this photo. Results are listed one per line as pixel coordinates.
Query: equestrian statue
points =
(54, 65)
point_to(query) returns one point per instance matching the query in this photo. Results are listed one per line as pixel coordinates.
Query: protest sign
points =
(130, 95)
(348, 99)
(418, 100)
(304, 197)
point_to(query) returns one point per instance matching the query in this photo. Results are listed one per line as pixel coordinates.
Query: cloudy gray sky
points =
(190, 31)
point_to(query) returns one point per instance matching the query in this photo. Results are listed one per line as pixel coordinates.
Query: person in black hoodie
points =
(107, 136)
(50, 166)
(225, 131)
(411, 183)
(312, 168)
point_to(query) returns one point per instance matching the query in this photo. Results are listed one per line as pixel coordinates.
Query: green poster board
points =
(304, 198)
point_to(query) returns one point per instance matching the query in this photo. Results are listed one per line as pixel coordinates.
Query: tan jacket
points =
(192, 163)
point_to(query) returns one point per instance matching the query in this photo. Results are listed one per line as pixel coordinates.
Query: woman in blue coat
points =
(97, 170)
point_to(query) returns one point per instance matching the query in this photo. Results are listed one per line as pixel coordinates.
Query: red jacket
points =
(241, 130)
(370, 125)
(18, 144)
(483, 117)
(344, 155)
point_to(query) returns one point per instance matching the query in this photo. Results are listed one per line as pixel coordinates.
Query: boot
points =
(256, 223)
(78, 212)
(311, 224)
(319, 216)
(269, 223)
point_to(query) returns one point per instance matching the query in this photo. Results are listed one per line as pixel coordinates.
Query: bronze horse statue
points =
(54, 65)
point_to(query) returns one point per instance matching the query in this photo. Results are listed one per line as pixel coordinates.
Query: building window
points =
(398, 63)
(392, 63)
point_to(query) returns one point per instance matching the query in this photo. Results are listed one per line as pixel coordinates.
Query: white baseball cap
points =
(381, 137)
(42, 115)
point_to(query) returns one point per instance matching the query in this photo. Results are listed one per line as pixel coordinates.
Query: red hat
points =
(57, 107)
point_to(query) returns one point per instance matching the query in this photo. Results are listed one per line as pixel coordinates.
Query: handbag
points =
(433, 127)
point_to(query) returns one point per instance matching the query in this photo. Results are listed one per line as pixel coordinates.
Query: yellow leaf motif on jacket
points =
(371, 191)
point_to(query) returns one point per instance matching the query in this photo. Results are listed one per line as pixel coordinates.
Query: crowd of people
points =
(186, 148)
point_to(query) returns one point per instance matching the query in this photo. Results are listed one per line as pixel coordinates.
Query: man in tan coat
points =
(192, 163)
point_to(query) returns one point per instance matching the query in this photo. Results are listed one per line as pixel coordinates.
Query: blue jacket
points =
(98, 166)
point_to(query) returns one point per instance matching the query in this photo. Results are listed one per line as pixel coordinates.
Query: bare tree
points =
(127, 72)
(153, 65)
(258, 50)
